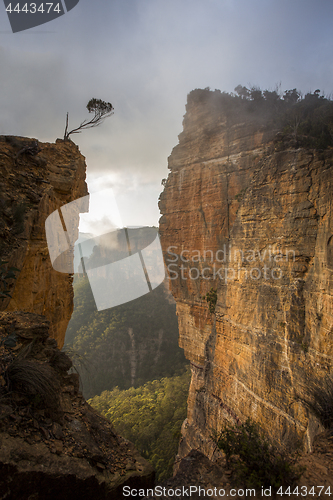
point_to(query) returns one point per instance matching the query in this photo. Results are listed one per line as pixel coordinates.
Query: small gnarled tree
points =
(101, 110)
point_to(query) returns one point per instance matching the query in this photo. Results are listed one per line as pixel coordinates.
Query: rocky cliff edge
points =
(36, 179)
(52, 443)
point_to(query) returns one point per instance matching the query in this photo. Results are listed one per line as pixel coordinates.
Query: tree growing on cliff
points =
(254, 460)
(101, 110)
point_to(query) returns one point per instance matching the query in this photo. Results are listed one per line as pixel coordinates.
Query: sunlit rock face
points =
(253, 220)
(36, 179)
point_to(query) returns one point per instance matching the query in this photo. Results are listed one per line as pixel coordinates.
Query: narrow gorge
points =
(247, 236)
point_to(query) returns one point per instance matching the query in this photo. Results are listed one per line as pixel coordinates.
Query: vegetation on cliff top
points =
(307, 120)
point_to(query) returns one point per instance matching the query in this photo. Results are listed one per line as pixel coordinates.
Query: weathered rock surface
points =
(253, 220)
(37, 179)
(52, 443)
(196, 476)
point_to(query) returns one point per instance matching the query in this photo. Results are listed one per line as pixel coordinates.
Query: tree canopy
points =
(101, 110)
(125, 345)
(150, 416)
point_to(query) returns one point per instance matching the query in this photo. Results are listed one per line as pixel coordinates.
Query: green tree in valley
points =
(150, 416)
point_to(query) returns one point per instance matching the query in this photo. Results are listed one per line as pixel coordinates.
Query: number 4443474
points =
(304, 491)
(32, 8)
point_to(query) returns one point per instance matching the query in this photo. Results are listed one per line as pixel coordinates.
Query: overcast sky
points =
(144, 56)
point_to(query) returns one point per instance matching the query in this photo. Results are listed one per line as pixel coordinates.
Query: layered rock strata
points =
(37, 179)
(251, 218)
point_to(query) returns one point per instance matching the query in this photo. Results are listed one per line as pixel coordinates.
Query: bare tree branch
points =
(101, 110)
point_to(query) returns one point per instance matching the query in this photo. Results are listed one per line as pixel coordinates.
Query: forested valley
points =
(132, 369)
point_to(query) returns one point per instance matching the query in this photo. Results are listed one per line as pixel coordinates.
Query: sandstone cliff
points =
(37, 179)
(251, 217)
(53, 445)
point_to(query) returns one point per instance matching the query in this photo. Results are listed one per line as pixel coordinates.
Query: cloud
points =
(144, 56)
(31, 88)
